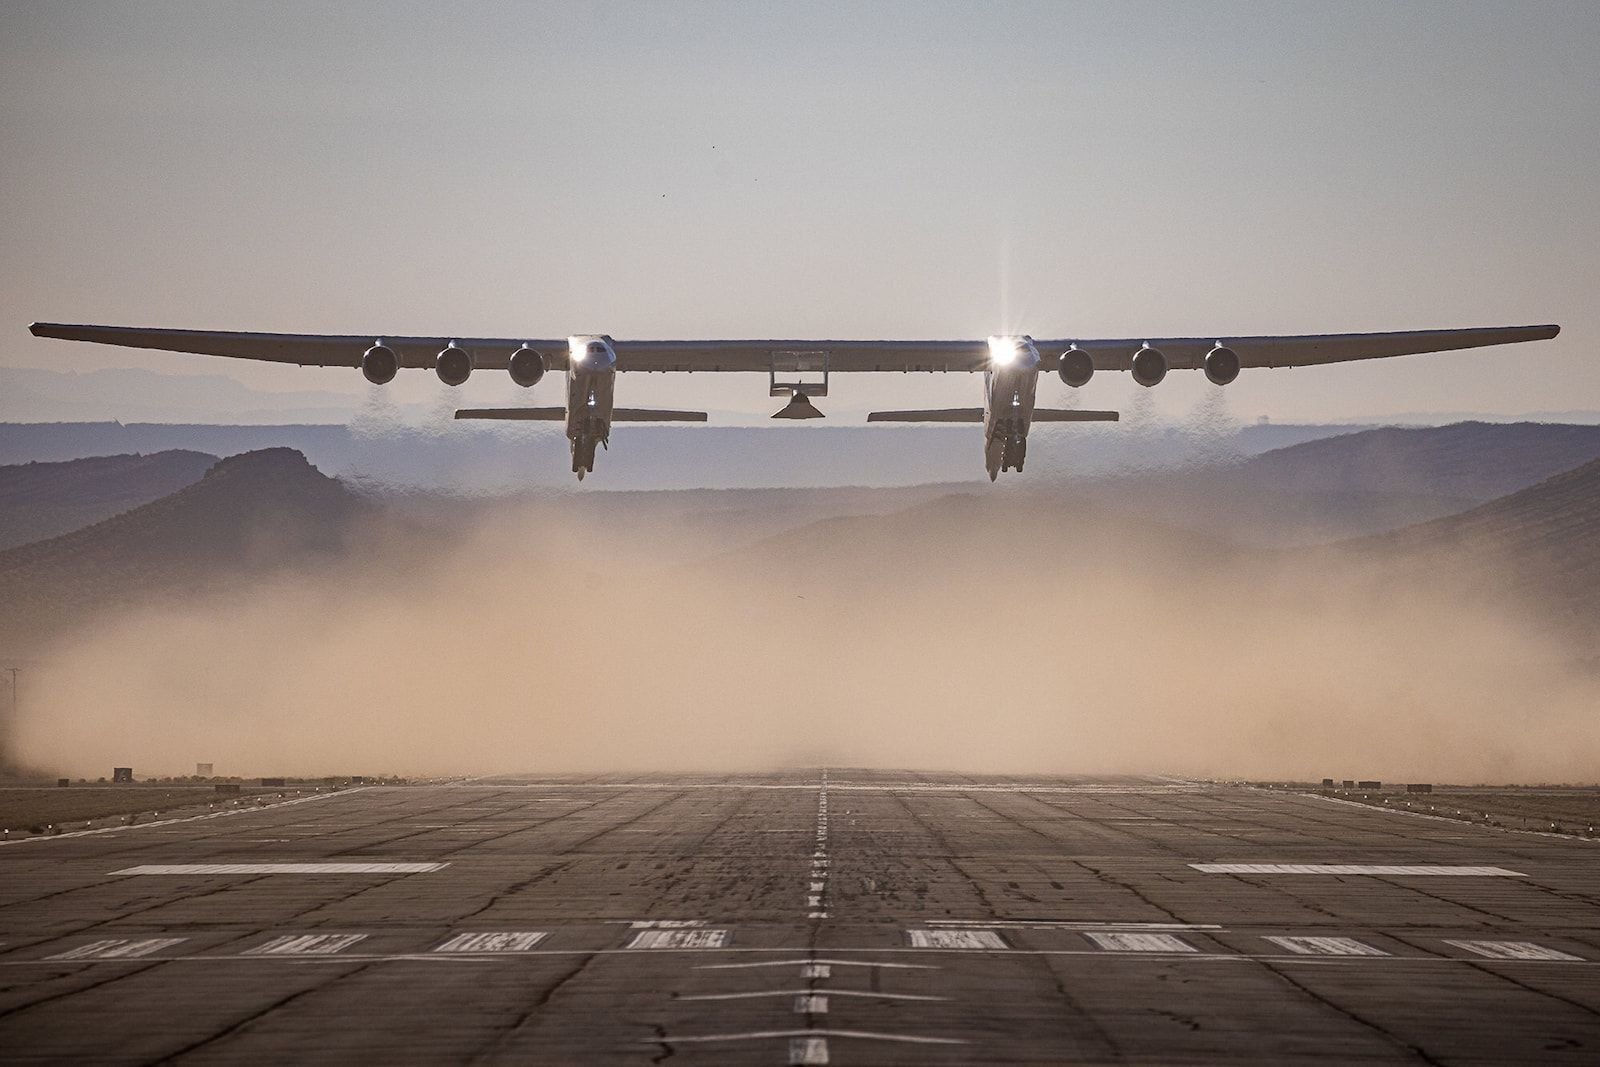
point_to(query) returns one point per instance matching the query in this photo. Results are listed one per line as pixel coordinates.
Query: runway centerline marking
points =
(958, 939)
(1514, 950)
(694, 939)
(1356, 868)
(1115, 942)
(283, 868)
(499, 941)
(1327, 946)
(811, 1004)
(306, 945)
(118, 948)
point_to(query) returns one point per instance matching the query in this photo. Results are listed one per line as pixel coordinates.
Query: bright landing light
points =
(1002, 351)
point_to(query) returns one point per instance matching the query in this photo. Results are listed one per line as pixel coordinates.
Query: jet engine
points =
(1077, 367)
(526, 367)
(1222, 365)
(453, 364)
(1149, 366)
(379, 364)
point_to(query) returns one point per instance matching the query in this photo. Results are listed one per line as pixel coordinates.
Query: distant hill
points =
(1542, 542)
(1470, 461)
(43, 500)
(249, 514)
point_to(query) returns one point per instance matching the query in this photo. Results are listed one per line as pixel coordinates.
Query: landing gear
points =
(583, 455)
(1004, 453)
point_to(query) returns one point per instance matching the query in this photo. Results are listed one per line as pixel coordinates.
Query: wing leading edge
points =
(494, 353)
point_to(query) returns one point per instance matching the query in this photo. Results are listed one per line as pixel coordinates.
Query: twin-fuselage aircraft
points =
(1011, 366)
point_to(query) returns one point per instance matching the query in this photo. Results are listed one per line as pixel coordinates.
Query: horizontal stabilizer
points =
(652, 415)
(934, 415)
(1048, 415)
(530, 414)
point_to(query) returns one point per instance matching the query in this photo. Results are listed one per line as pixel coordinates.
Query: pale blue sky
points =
(853, 170)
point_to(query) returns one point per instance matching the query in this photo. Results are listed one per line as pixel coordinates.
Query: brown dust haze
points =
(995, 633)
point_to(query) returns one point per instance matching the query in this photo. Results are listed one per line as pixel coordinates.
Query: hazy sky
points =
(853, 170)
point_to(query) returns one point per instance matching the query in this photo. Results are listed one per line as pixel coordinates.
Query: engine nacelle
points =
(526, 367)
(1222, 365)
(379, 364)
(1077, 367)
(1149, 366)
(453, 364)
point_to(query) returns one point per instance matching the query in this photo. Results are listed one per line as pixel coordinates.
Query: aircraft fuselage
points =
(1009, 387)
(591, 388)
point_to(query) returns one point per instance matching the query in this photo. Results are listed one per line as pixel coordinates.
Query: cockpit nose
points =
(593, 355)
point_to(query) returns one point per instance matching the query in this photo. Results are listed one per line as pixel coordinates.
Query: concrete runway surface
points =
(844, 917)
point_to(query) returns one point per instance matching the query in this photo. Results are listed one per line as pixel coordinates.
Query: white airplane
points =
(1011, 366)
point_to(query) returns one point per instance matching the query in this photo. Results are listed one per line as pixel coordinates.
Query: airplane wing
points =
(493, 353)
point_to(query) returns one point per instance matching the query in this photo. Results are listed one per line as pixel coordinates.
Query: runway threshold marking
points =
(1327, 946)
(118, 948)
(1114, 942)
(964, 939)
(760, 1035)
(807, 1051)
(757, 994)
(499, 941)
(814, 962)
(283, 868)
(1356, 868)
(1513, 950)
(306, 945)
(1053, 924)
(704, 939)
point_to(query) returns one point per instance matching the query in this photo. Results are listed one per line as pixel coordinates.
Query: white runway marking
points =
(758, 994)
(306, 945)
(1140, 942)
(812, 963)
(1354, 868)
(807, 1051)
(1053, 924)
(1327, 946)
(501, 941)
(976, 939)
(283, 868)
(666, 924)
(811, 1004)
(816, 970)
(680, 939)
(118, 949)
(758, 1035)
(1513, 950)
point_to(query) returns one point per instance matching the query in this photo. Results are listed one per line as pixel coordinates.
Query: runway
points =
(839, 916)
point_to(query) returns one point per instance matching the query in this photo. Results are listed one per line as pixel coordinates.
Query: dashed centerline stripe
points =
(283, 868)
(118, 949)
(306, 945)
(501, 941)
(1513, 950)
(1327, 946)
(1355, 868)
(1113, 942)
(648, 939)
(973, 939)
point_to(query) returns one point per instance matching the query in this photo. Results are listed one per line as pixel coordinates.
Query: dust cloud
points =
(1001, 632)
